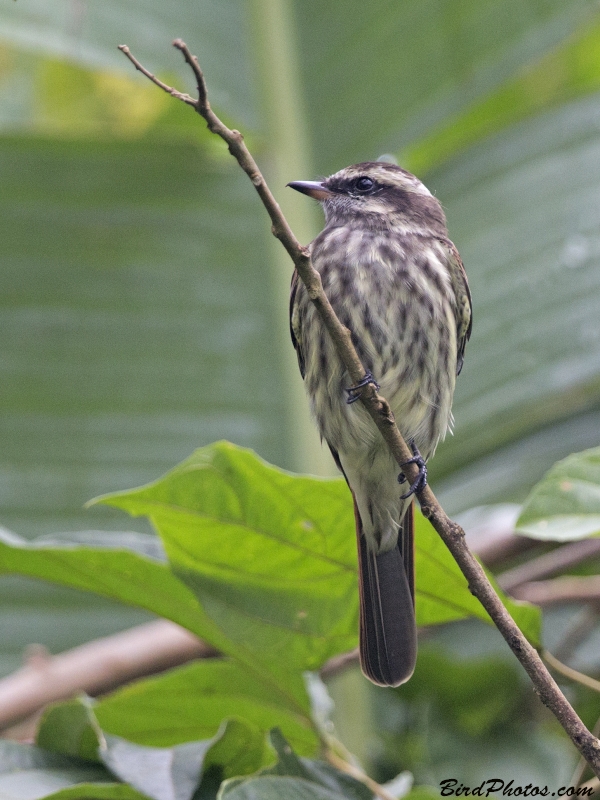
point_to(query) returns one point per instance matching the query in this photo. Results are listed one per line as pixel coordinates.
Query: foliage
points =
(257, 562)
(565, 505)
(472, 715)
(75, 758)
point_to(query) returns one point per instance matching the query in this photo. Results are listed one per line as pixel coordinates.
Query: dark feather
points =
(295, 333)
(388, 633)
(386, 588)
(464, 314)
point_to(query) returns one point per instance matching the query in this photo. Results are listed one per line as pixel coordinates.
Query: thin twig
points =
(569, 555)
(566, 589)
(379, 410)
(345, 766)
(569, 672)
(186, 98)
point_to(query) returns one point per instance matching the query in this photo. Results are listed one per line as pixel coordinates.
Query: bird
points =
(397, 282)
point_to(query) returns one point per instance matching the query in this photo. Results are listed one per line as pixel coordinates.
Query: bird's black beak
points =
(312, 189)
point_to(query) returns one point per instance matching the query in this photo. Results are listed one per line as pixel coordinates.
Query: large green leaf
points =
(119, 573)
(272, 555)
(141, 581)
(114, 314)
(170, 772)
(565, 505)
(191, 702)
(573, 65)
(269, 555)
(442, 592)
(79, 760)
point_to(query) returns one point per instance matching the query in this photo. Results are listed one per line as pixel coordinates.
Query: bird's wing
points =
(295, 327)
(464, 315)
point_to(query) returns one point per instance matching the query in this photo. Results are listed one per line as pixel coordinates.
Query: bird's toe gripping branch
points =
(421, 481)
(354, 391)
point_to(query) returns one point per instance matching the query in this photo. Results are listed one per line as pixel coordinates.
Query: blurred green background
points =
(143, 304)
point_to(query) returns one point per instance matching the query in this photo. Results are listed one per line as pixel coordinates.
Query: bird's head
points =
(376, 195)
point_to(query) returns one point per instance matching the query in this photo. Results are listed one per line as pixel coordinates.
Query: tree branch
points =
(381, 414)
(558, 560)
(96, 667)
(566, 589)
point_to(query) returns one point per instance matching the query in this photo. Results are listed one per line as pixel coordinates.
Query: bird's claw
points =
(421, 481)
(354, 391)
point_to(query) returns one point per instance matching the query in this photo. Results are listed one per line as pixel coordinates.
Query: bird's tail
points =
(388, 633)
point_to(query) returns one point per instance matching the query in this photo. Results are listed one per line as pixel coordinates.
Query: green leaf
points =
(191, 702)
(423, 793)
(239, 749)
(573, 65)
(270, 555)
(71, 729)
(161, 773)
(297, 778)
(565, 504)
(174, 773)
(217, 31)
(121, 573)
(442, 590)
(94, 791)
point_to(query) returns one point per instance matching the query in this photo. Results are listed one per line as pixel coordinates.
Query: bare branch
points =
(379, 410)
(567, 589)
(550, 563)
(96, 667)
(105, 664)
(569, 672)
(186, 98)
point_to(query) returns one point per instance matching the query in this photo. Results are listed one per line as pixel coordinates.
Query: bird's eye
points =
(364, 184)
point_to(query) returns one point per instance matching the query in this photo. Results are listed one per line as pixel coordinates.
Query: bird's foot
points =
(421, 481)
(354, 391)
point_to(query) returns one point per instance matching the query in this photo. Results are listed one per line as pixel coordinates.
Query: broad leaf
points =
(90, 37)
(190, 703)
(443, 594)
(93, 791)
(138, 580)
(574, 68)
(161, 773)
(119, 573)
(70, 729)
(272, 555)
(565, 505)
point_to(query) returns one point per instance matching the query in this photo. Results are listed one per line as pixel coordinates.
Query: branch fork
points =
(379, 410)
